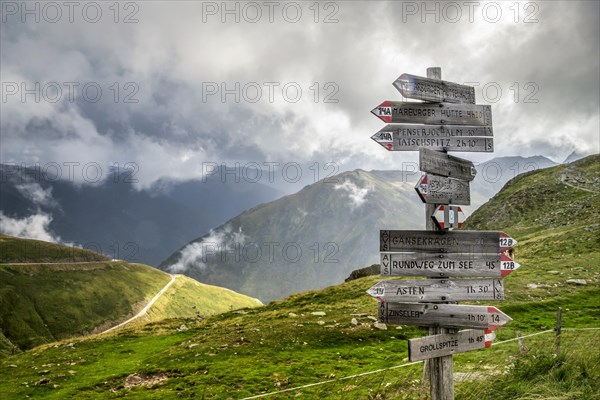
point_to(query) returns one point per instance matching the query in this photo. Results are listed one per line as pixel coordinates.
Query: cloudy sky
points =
(176, 87)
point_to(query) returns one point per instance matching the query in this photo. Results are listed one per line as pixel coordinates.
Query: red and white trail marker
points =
(448, 217)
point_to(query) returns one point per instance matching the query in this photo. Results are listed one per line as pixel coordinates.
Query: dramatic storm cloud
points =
(169, 86)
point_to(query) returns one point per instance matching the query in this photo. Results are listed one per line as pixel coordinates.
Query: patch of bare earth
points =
(134, 380)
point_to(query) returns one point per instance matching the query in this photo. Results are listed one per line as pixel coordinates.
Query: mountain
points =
(561, 203)
(574, 156)
(51, 292)
(17, 250)
(325, 344)
(318, 236)
(115, 218)
(303, 241)
(492, 175)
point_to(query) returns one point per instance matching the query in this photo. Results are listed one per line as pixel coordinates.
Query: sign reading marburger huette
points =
(434, 113)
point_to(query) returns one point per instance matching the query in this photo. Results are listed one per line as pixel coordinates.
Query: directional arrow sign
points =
(446, 264)
(443, 164)
(506, 241)
(394, 142)
(438, 290)
(434, 113)
(420, 88)
(448, 217)
(446, 344)
(435, 189)
(445, 241)
(446, 315)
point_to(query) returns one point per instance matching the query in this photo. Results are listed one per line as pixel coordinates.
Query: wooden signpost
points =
(450, 121)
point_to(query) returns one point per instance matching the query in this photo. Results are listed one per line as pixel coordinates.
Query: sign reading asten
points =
(438, 290)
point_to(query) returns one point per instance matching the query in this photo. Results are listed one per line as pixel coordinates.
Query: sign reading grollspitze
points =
(446, 344)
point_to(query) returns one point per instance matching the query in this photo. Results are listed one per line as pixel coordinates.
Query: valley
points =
(326, 343)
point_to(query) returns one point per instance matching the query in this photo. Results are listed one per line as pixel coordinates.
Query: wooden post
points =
(521, 343)
(558, 329)
(441, 378)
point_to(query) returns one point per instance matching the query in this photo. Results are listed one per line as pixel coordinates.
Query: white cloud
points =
(35, 193)
(216, 245)
(357, 195)
(171, 52)
(32, 227)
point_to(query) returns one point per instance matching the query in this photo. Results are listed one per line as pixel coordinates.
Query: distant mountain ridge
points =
(329, 336)
(319, 235)
(116, 219)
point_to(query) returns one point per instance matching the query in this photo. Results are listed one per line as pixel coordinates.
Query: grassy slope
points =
(261, 350)
(41, 303)
(235, 354)
(187, 297)
(17, 250)
(45, 302)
